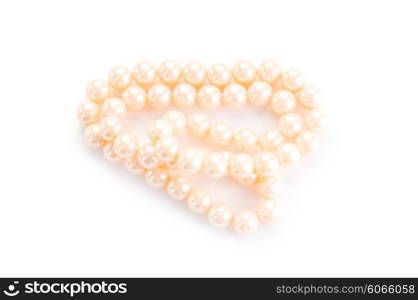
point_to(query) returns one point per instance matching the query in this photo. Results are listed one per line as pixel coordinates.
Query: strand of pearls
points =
(255, 159)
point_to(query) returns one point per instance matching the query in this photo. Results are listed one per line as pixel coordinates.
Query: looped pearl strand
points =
(254, 160)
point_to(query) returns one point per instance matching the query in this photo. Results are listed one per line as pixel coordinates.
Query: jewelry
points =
(254, 159)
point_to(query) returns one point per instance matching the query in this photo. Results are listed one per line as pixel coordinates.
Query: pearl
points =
(309, 97)
(283, 102)
(268, 211)
(172, 164)
(110, 154)
(159, 129)
(166, 148)
(241, 165)
(245, 222)
(134, 97)
(147, 157)
(234, 95)
(156, 178)
(248, 180)
(159, 96)
(269, 71)
(220, 134)
(209, 97)
(194, 73)
(268, 187)
(98, 90)
(307, 141)
(177, 120)
(219, 74)
(92, 135)
(169, 71)
(316, 120)
(88, 112)
(270, 140)
(133, 166)
(144, 73)
(179, 188)
(244, 72)
(259, 93)
(114, 107)
(110, 128)
(220, 215)
(245, 140)
(266, 164)
(288, 153)
(125, 145)
(199, 201)
(198, 125)
(290, 124)
(292, 80)
(184, 95)
(120, 77)
(190, 160)
(216, 164)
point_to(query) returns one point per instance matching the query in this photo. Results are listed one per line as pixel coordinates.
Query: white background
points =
(350, 209)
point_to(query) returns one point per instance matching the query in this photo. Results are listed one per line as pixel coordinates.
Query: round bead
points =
(134, 97)
(146, 157)
(166, 148)
(283, 102)
(120, 77)
(110, 128)
(92, 136)
(216, 164)
(234, 95)
(248, 180)
(241, 165)
(244, 72)
(110, 154)
(220, 134)
(307, 141)
(220, 215)
(159, 96)
(125, 146)
(259, 93)
(198, 125)
(316, 120)
(144, 73)
(270, 140)
(177, 120)
(199, 201)
(159, 129)
(266, 164)
(219, 74)
(194, 73)
(245, 222)
(179, 188)
(98, 90)
(269, 71)
(309, 97)
(114, 107)
(290, 124)
(88, 112)
(292, 80)
(268, 211)
(209, 97)
(245, 140)
(184, 95)
(169, 71)
(190, 160)
(133, 166)
(156, 178)
(288, 153)
(268, 187)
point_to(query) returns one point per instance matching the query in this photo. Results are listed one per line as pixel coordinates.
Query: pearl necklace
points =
(257, 158)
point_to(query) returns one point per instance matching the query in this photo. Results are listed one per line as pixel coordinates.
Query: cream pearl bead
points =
(110, 128)
(290, 124)
(234, 95)
(219, 74)
(245, 140)
(156, 178)
(270, 140)
(307, 141)
(245, 222)
(244, 72)
(209, 97)
(259, 93)
(266, 164)
(268, 187)
(241, 165)
(177, 120)
(220, 134)
(159, 96)
(120, 77)
(309, 97)
(268, 211)
(169, 71)
(220, 215)
(110, 154)
(166, 148)
(144, 73)
(88, 112)
(292, 80)
(269, 71)
(132, 165)
(288, 153)
(179, 188)
(184, 95)
(198, 125)
(194, 73)
(199, 201)
(159, 129)
(125, 145)
(92, 136)
(248, 180)
(283, 102)
(147, 157)
(98, 90)
(172, 164)
(216, 164)
(134, 97)
(190, 160)
(114, 107)
(316, 120)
